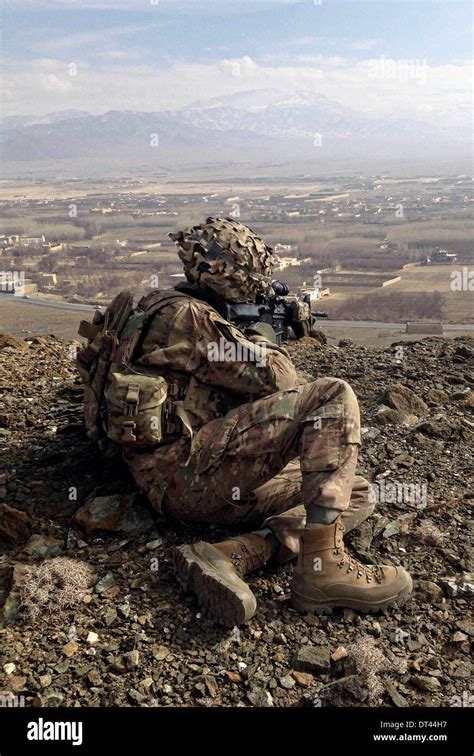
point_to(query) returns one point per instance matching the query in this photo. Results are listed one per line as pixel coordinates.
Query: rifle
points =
(285, 313)
(290, 317)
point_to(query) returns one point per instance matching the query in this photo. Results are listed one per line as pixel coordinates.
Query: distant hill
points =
(248, 126)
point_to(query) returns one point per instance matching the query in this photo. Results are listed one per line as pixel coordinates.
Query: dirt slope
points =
(134, 638)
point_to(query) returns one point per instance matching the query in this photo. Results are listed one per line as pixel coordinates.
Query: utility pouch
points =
(137, 409)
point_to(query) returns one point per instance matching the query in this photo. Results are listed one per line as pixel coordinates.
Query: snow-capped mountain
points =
(301, 113)
(251, 125)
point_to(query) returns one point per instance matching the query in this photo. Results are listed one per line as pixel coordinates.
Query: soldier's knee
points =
(333, 389)
(332, 401)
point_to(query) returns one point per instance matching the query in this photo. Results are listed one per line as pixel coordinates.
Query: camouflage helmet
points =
(227, 257)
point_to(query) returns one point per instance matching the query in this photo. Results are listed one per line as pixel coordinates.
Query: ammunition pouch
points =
(143, 410)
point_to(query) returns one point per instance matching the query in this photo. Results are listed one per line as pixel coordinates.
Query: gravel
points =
(134, 639)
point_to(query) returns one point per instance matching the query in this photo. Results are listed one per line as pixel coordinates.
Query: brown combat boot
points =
(214, 573)
(326, 577)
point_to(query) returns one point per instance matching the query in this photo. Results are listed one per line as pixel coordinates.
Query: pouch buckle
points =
(132, 400)
(128, 436)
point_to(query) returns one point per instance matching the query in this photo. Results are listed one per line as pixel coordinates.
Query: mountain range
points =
(252, 125)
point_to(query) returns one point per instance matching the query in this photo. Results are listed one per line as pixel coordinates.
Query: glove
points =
(303, 328)
(302, 319)
(263, 331)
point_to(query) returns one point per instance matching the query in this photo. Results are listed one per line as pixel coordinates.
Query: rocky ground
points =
(91, 615)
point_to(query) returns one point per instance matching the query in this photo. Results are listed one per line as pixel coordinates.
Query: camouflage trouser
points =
(239, 468)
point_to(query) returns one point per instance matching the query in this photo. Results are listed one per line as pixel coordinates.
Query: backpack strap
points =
(137, 327)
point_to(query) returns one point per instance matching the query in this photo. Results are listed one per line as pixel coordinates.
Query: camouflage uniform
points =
(280, 446)
(217, 427)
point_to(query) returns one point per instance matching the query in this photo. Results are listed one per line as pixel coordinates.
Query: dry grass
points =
(56, 585)
(372, 665)
(428, 533)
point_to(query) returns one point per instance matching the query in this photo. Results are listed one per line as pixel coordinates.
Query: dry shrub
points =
(372, 665)
(428, 533)
(56, 585)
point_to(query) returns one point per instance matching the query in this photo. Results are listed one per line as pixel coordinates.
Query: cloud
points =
(56, 84)
(300, 42)
(364, 44)
(100, 37)
(121, 55)
(322, 61)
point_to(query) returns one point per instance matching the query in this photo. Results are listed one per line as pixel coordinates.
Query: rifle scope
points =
(280, 289)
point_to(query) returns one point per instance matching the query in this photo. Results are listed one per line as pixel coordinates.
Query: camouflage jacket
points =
(215, 365)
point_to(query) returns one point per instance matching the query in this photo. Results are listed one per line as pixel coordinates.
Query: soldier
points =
(251, 444)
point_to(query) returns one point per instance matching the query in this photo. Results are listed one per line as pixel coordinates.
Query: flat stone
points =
(124, 610)
(49, 698)
(312, 659)
(155, 544)
(401, 398)
(425, 682)
(42, 547)
(70, 648)
(339, 653)
(302, 678)
(461, 394)
(211, 685)
(94, 677)
(428, 590)
(15, 526)
(116, 514)
(260, 697)
(17, 683)
(287, 682)
(389, 416)
(397, 698)
(463, 671)
(436, 397)
(467, 626)
(131, 659)
(160, 652)
(103, 585)
(458, 585)
(110, 616)
(343, 692)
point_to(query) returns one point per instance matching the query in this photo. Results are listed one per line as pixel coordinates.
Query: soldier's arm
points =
(255, 366)
(218, 354)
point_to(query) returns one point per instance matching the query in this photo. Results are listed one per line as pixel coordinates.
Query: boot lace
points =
(370, 572)
(246, 560)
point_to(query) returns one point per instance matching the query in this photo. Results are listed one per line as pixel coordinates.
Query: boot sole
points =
(222, 595)
(304, 604)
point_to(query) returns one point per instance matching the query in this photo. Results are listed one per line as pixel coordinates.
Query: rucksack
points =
(122, 403)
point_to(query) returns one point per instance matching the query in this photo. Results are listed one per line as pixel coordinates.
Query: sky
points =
(407, 58)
